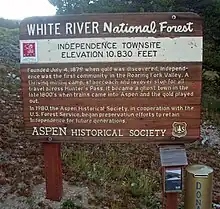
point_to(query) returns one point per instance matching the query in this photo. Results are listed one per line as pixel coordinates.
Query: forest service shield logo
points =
(179, 129)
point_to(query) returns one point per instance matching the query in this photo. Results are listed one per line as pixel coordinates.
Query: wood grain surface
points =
(131, 102)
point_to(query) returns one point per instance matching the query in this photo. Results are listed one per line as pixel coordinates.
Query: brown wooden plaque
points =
(112, 77)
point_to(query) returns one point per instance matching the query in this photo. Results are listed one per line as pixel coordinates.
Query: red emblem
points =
(29, 50)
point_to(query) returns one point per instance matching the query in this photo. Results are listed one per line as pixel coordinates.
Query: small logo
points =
(29, 49)
(179, 129)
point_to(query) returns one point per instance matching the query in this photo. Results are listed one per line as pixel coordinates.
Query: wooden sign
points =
(112, 77)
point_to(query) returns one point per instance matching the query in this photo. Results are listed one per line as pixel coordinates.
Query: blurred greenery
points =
(9, 47)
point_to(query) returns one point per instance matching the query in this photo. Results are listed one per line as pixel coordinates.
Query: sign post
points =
(53, 171)
(133, 77)
(172, 201)
(173, 185)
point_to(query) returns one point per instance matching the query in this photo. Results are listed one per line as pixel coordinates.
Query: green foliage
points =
(69, 204)
(30, 202)
(11, 24)
(9, 47)
(151, 203)
(112, 173)
(211, 83)
(211, 107)
(211, 96)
